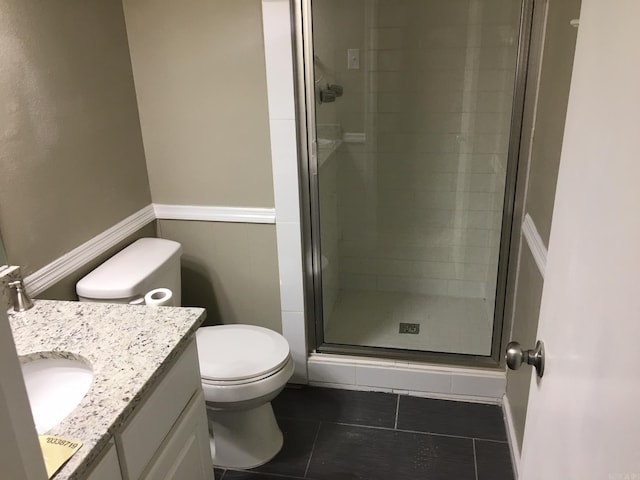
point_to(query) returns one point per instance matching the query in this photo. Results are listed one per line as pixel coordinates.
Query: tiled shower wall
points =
(419, 204)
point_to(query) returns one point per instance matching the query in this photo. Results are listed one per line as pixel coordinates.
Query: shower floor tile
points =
(321, 442)
(447, 324)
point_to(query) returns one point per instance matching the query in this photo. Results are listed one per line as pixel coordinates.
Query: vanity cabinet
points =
(166, 437)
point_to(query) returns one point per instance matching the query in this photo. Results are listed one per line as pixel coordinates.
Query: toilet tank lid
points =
(123, 274)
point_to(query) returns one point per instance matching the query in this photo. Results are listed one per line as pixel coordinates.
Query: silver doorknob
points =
(516, 356)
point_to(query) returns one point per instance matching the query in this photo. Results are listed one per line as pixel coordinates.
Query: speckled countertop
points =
(129, 347)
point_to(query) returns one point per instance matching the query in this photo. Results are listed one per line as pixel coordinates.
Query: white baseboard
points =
(511, 435)
(52, 273)
(214, 214)
(445, 382)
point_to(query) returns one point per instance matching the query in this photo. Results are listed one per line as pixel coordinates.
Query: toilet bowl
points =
(242, 367)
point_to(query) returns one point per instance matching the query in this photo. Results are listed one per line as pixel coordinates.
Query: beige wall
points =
(71, 155)
(527, 309)
(3, 256)
(528, 122)
(543, 128)
(200, 77)
(231, 269)
(560, 43)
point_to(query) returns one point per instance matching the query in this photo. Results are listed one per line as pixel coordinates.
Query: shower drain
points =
(412, 328)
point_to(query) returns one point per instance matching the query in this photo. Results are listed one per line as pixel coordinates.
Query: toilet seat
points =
(222, 383)
(239, 354)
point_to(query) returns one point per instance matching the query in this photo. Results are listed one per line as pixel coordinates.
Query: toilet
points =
(242, 367)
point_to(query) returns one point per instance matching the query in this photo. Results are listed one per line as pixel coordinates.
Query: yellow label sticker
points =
(56, 451)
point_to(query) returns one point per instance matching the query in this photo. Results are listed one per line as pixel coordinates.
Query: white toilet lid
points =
(238, 352)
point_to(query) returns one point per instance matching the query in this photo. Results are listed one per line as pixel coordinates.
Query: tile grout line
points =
(395, 426)
(475, 458)
(313, 447)
(490, 440)
(418, 432)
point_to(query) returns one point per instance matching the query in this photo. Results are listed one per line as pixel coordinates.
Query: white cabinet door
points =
(108, 467)
(582, 420)
(186, 454)
(150, 425)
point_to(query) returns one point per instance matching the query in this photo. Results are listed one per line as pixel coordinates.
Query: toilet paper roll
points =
(159, 297)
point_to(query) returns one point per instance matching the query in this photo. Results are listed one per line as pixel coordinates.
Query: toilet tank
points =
(146, 264)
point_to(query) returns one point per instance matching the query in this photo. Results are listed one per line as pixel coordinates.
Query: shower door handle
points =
(516, 356)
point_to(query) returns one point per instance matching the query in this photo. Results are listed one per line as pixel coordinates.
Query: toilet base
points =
(243, 438)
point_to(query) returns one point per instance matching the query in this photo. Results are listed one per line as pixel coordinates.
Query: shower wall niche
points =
(412, 167)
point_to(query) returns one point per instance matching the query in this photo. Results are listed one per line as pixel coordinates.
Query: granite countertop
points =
(129, 347)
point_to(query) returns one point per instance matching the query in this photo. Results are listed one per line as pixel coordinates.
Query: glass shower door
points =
(413, 110)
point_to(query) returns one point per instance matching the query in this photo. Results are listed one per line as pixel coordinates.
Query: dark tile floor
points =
(342, 435)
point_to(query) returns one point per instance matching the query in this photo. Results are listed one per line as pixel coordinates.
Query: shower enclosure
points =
(412, 116)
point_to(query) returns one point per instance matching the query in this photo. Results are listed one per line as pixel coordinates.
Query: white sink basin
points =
(55, 386)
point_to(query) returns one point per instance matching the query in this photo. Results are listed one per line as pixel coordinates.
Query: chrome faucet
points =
(12, 290)
(21, 300)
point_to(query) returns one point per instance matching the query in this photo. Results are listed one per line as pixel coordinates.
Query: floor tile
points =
(493, 460)
(451, 418)
(345, 452)
(243, 475)
(338, 406)
(299, 436)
